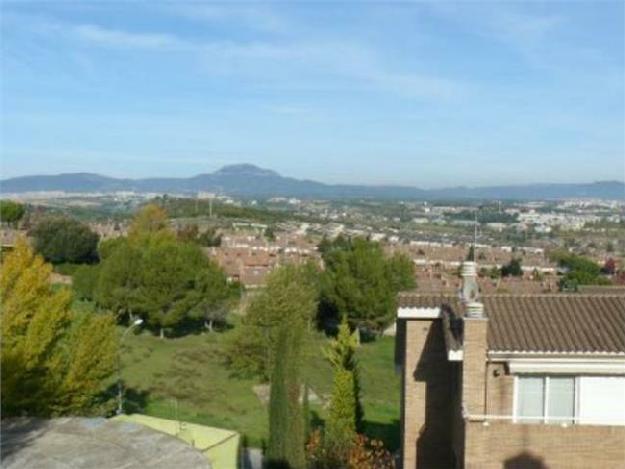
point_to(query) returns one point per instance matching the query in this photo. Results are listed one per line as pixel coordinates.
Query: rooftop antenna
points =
(475, 234)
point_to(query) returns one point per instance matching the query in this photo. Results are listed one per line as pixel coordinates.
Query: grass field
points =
(185, 378)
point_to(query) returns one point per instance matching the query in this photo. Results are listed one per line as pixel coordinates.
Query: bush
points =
(364, 453)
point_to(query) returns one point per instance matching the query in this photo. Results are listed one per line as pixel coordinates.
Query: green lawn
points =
(186, 378)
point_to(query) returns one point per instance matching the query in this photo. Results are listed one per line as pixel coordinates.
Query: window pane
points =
(561, 403)
(530, 397)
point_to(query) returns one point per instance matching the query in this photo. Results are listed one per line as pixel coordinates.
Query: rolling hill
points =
(245, 180)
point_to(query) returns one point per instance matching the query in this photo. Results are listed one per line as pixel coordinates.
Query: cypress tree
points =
(306, 412)
(341, 424)
(295, 444)
(345, 411)
(278, 407)
(286, 422)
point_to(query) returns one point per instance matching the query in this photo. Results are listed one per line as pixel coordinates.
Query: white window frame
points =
(516, 418)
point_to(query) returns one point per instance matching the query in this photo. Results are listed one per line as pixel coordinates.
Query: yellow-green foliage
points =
(344, 411)
(150, 219)
(53, 359)
(341, 423)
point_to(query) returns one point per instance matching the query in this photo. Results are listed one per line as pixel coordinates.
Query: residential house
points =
(512, 381)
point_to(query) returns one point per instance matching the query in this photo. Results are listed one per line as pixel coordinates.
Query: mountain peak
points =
(245, 170)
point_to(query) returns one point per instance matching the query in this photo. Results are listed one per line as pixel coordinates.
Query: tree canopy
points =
(61, 239)
(149, 220)
(512, 268)
(153, 274)
(579, 270)
(54, 360)
(362, 282)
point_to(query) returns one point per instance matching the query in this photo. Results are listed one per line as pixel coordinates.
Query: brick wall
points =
(499, 390)
(426, 413)
(505, 445)
(474, 365)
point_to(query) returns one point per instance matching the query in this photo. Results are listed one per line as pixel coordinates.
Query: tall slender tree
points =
(278, 408)
(286, 425)
(345, 411)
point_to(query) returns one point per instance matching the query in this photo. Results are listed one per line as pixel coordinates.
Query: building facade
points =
(512, 381)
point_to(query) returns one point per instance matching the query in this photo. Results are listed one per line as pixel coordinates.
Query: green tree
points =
(345, 412)
(62, 239)
(278, 407)
(213, 295)
(362, 282)
(401, 272)
(285, 448)
(290, 297)
(471, 254)
(54, 360)
(85, 281)
(150, 219)
(341, 423)
(170, 272)
(11, 212)
(306, 411)
(579, 270)
(512, 268)
(270, 233)
(154, 275)
(209, 238)
(119, 278)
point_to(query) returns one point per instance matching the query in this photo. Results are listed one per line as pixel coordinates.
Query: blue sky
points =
(430, 94)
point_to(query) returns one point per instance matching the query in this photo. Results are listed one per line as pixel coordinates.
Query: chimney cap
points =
(474, 310)
(469, 269)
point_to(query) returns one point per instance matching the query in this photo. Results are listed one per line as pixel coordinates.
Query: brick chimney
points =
(474, 343)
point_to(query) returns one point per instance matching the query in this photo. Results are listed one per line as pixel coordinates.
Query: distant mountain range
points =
(245, 180)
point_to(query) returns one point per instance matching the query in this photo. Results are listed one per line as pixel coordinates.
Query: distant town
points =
(255, 236)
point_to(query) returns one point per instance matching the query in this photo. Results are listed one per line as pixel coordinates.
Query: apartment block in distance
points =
(512, 381)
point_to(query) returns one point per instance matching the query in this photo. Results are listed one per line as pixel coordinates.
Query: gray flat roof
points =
(78, 443)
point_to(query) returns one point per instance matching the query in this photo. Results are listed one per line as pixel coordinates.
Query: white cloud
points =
(314, 61)
(503, 21)
(117, 38)
(252, 17)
